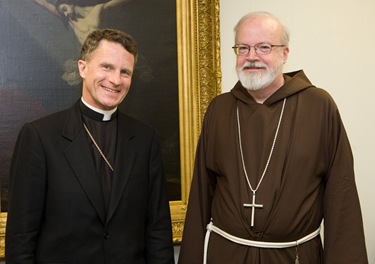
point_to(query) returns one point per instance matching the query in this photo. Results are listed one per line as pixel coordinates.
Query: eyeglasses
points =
(260, 48)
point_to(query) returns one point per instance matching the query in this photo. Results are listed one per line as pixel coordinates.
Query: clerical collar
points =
(97, 114)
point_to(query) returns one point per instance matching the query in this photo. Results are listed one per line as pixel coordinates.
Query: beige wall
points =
(334, 42)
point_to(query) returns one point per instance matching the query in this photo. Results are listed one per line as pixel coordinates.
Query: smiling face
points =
(260, 71)
(106, 75)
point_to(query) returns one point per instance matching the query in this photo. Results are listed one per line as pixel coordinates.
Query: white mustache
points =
(254, 65)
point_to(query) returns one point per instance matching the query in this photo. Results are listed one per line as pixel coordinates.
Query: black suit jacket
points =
(56, 211)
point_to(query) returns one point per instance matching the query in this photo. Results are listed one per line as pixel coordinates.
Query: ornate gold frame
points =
(199, 81)
(3, 220)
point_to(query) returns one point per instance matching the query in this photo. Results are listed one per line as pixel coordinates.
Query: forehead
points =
(259, 29)
(112, 51)
(109, 46)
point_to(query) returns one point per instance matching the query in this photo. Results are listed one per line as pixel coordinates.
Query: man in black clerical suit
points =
(87, 183)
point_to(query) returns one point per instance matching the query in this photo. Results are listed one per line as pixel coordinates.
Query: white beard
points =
(258, 81)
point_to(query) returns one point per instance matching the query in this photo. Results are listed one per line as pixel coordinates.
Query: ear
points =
(82, 66)
(285, 54)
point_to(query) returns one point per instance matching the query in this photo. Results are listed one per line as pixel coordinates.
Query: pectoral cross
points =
(253, 205)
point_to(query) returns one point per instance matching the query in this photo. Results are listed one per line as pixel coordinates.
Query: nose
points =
(115, 78)
(252, 55)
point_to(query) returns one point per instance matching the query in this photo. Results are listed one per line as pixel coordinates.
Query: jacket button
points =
(106, 235)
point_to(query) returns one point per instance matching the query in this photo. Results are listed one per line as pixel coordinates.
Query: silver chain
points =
(269, 157)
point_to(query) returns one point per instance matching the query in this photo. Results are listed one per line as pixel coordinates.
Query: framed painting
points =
(177, 74)
(199, 82)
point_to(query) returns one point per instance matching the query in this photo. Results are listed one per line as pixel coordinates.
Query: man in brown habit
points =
(273, 161)
(87, 184)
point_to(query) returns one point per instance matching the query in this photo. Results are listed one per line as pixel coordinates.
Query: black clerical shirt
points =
(105, 135)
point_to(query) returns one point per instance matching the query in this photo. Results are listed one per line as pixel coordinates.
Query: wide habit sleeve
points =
(199, 205)
(344, 240)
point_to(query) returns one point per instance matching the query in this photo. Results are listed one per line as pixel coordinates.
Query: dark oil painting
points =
(39, 46)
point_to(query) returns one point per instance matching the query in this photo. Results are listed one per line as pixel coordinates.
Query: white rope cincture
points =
(253, 243)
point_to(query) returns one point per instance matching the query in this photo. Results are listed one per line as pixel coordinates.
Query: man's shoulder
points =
(53, 117)
(222, 101)
(49, 123)
(134, 123)
(223, 98)
(317, 94)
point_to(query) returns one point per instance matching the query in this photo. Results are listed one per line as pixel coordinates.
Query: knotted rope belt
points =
(252, 243)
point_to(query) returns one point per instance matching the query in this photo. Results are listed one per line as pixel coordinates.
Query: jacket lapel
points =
(79, 156)
(125, 156)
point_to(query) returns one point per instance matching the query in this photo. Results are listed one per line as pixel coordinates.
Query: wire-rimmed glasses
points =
(260, 48)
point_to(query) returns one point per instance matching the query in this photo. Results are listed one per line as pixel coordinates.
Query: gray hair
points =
(285, 31)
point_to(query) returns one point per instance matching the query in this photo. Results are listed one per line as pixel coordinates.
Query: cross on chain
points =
(253, 205)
